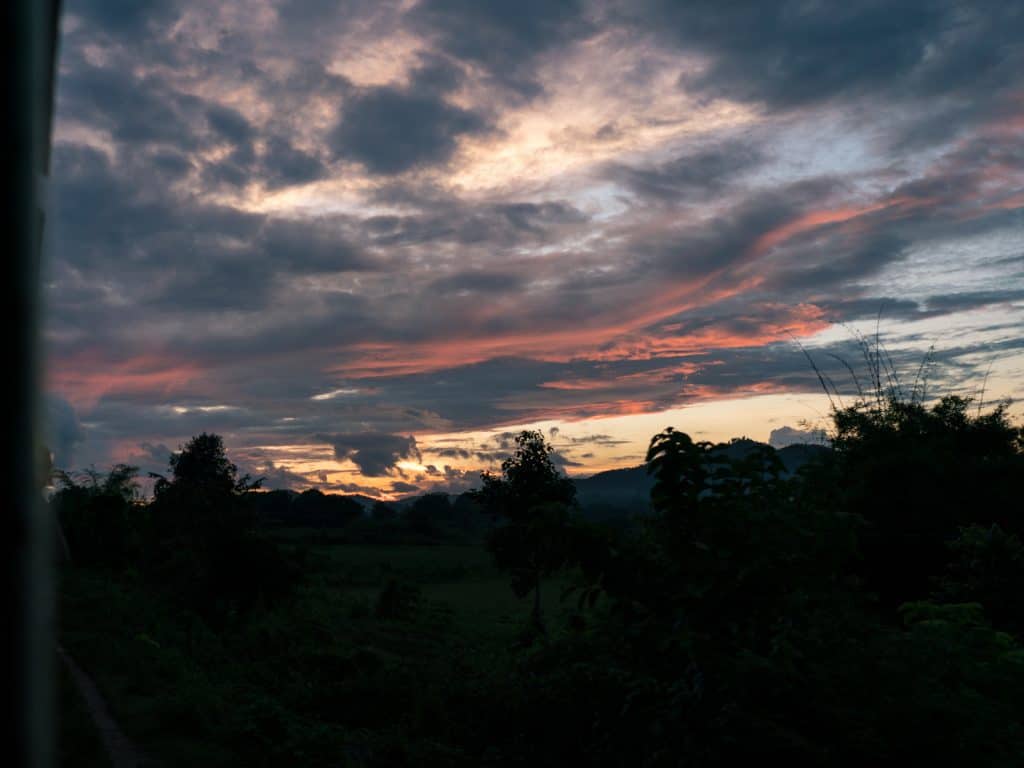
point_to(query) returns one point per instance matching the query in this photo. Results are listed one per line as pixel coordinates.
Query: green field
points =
(321, 673)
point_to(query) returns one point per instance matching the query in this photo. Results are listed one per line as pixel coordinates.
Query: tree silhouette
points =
(204, 465)
(530, 500)
(96, 515)
(203, 545)
(917, 475)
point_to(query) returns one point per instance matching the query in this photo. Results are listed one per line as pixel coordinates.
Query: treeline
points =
(427, 519)
(198, 540)
(205, 536)
(863, 610)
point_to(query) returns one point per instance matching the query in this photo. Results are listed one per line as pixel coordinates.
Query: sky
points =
(367, 241)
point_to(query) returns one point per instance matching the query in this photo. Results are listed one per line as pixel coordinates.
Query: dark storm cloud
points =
(284, 165)
(318, 245)
(191, 256)
(123, 18)
(491, 225)
(229, 124)
(948, 65)
(390, 130)
(789, 54)
(130, 107)
(728, 238)
(833, 264)
(470, 394)
(452, 480)
(504, 36)
(400, 486)
(376, 454)
(708, 170)
(479, 282)
(959, 302)
(274, 477)
(846, 310)
(365, 490)
(149, 457)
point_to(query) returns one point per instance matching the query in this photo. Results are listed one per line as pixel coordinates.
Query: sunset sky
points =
(366, 240)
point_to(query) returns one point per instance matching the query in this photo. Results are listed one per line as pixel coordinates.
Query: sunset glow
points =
(364, 243)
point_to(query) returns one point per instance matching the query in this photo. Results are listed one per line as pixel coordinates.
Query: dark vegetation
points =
(862, 608)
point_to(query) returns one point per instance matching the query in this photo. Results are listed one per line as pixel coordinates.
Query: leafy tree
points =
(383, 512)
(987, 567)
(204, 465)
(429, 513)
(99, 515)
(314, 508)
(530, 500)
(917, 475)
(203, 545)
(271, 506)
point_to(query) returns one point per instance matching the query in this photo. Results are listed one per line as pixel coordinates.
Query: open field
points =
(316, 672)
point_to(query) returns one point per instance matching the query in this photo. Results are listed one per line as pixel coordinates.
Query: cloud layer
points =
(341, 233)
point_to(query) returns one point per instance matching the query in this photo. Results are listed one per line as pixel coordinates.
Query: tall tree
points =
(203, 545)
(530, 500)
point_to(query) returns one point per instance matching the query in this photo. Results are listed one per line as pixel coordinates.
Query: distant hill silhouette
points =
(623, 492)
(617, 494)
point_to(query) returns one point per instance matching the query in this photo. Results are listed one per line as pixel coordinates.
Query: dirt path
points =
(122, 752)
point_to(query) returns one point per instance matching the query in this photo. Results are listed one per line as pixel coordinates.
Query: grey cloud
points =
(789, 53)
(959, 302)
(265, 307)
(951, 62)
(479, 282)
(273, 476)
(727, 239)
(150, 458)
(133, 109)
(365, 490)
(376, 454)
(283, 164)
(504, 225)
(229, 124)
(454, 481)
(834, 264)
(504, 36)
(400, 486)
(391, 130)
(124, 18)
(705, 171)
(63, 431)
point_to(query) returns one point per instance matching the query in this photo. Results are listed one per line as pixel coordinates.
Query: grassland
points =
(371, 648)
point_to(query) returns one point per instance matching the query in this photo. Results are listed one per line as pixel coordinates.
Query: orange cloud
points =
(86, 377)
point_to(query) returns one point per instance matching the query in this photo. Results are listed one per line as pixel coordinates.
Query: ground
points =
(346, 665)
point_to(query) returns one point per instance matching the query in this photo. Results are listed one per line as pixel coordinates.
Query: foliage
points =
(917, 474)
(202, 543)
(861, 611)
(316, 509)
(531, 500)
(99, 515)
(986, 566)
(428, 513)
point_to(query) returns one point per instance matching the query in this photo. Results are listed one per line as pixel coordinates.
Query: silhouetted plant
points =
(987, 567)
(202, 541)
(531, 500)
(100, 515)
